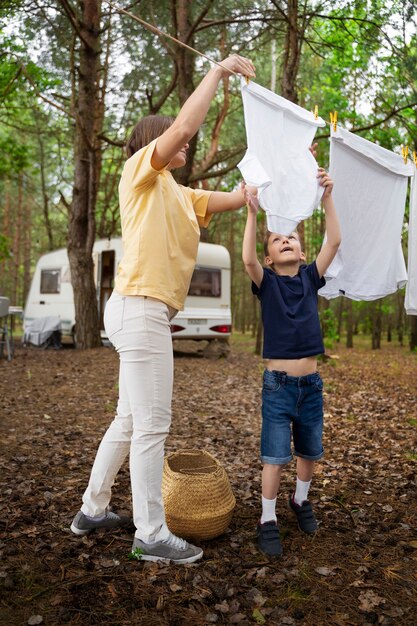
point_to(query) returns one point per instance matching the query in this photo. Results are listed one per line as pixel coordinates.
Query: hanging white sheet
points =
(411, 289)
(370, 188)
(278, 161)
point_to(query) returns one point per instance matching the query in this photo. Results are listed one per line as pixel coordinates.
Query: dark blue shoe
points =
(269, 541)
(306, 519)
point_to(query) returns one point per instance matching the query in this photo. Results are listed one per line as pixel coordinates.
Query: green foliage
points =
(136, 554)
(329, 327)
(5, 248)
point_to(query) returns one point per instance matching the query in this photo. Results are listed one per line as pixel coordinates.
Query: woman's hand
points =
(238, 65)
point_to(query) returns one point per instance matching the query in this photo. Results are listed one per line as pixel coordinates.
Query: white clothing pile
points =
(278, 161)
(370, 188)
(411, 289)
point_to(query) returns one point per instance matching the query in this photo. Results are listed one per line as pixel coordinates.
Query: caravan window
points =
(206, 281)
(50, 281)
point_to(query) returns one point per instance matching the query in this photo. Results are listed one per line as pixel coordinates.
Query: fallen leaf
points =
(324, 571)
(368, 600)
(258, 617)
(237, 618)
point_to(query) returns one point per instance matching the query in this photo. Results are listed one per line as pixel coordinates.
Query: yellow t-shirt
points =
(160, 231)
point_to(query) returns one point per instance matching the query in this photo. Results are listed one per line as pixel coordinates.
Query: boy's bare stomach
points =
(293, 367)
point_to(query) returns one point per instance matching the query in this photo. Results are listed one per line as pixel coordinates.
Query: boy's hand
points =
(251, 197)
(326, 182)
(313, 149)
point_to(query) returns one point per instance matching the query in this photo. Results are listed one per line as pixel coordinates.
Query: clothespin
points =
(333, 120)
(316, 111)
(404, 152)
(415, 158)
(247, 79)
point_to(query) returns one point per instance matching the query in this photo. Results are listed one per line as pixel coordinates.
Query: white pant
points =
(140, 331)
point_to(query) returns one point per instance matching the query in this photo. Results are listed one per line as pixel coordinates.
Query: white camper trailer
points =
(207, 313)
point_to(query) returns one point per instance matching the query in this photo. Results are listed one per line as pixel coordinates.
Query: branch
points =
(374, 124)
(112, 142)
(197, 21)
(217, 174)
(57, 106)
(64, 201)
(246, 20)
(154, 108)
(10, 84)
(72, 18)
(283, 14)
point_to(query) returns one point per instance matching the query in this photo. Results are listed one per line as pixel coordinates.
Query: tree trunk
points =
(27, 240)
(400, 317)
(18, 229)
(81, 227)
(389, 329)
(325, 305)
(259, 336)
(349, 323)
(45, 197)
(6, 243)
(340, 318)
(376, 326)
(413, 332)
(292, 52)
(185, 61)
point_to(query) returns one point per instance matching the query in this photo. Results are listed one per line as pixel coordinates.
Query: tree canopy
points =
(76, 76)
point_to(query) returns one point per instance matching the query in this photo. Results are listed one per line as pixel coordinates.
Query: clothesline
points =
(158, 31)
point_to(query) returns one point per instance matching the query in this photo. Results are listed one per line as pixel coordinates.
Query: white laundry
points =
(411, 289)
(278, 161)
(370, 189)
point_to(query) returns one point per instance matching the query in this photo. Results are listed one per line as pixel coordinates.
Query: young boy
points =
(292, 387)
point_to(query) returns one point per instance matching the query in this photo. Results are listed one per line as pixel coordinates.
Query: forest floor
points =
(359, 568)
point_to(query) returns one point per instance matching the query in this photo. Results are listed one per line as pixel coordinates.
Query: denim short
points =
(295, 401)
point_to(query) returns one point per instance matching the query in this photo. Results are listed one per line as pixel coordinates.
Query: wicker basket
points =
(198, 499)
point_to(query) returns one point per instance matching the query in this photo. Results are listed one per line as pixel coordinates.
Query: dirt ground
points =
(359, 568)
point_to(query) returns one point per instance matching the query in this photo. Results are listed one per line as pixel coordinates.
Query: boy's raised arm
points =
(252, 265)
(329, 248)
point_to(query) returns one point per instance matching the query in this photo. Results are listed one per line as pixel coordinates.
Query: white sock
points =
(268, 510)
(301, 491)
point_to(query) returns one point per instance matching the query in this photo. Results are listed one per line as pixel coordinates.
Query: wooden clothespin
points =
(415, 157)
(404, 152)
(316, 111)
(247, 79)
(333, 120)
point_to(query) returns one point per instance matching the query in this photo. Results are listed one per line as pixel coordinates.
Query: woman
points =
(160, 231)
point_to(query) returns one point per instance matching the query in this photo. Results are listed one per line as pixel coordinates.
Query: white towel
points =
(411, 289)
(278, 161)
(370, 189)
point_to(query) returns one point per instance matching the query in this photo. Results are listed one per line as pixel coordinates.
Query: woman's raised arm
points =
(194, 110)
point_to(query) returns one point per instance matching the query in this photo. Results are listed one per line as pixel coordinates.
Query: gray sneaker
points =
(172, 548)
(83, 524)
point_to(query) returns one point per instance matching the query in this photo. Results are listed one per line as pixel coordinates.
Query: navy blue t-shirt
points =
(290, 313)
